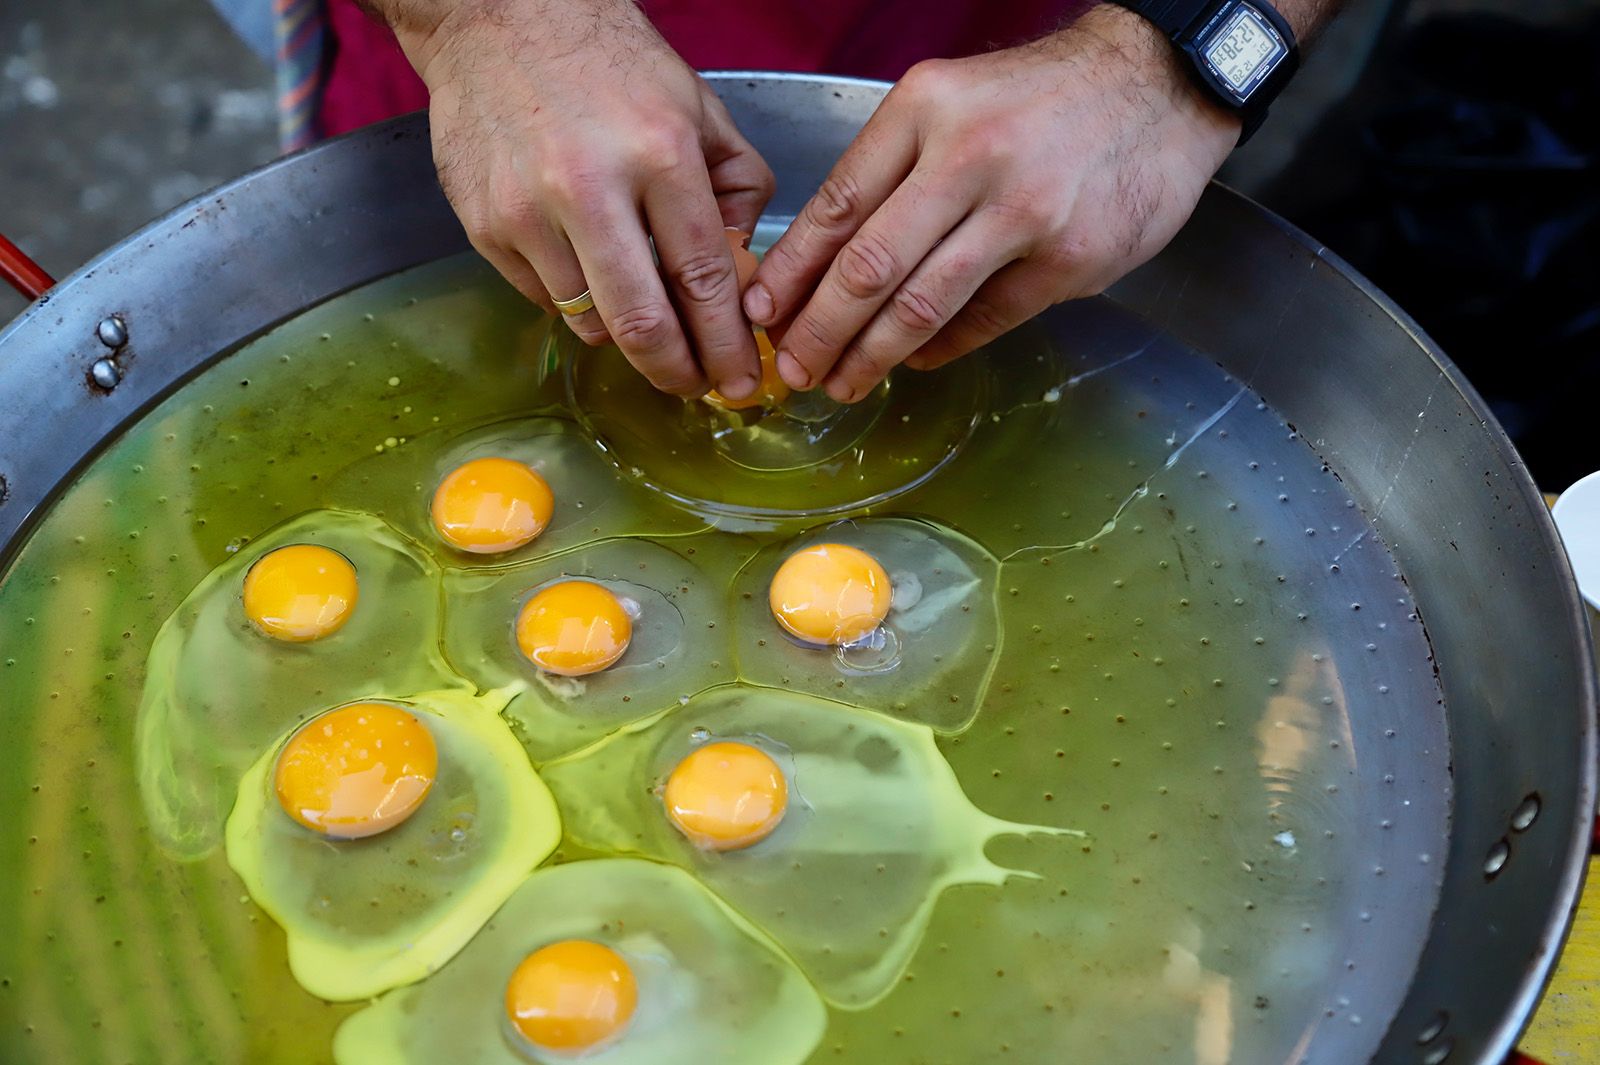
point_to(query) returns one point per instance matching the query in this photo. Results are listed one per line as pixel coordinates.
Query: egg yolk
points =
(726, 796)
(571, 996)
(356, 771)
(490, 505)
(300, 593)
(830, 594)
(772, 390)
(574, 628)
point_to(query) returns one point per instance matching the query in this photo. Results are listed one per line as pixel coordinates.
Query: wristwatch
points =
(1242, 52)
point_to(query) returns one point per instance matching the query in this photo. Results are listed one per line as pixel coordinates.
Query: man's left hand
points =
(984, 190)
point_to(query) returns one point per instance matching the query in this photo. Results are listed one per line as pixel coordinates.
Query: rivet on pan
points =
(112, 331)
(1438, 1054)
(1499, 854)
(1526, 814)
(105, 374)
(1433, 1029)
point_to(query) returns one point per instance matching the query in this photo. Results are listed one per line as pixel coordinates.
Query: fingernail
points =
(841, 392)
(793, 374)
(739, 387)
(758, 303)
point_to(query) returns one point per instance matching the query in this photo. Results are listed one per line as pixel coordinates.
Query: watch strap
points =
(1187, 23)
(1171, 17)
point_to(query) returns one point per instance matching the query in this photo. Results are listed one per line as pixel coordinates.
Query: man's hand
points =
(567, 133)
(985, 190)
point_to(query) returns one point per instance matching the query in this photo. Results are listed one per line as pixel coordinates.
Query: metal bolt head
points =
(112, 331)
(1439, 1054)
(1496, 860)
(1433, 1029)
(105, 374)
(1525, 814)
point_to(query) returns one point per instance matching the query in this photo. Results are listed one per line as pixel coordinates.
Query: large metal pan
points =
(1447, 493)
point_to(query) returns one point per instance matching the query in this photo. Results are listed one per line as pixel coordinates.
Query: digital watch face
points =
(1244, 51)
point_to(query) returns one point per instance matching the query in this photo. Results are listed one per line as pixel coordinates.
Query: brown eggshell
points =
(744, 260)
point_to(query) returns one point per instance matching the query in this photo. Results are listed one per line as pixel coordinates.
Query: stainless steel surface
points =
(195, 283)
(1442, 485)
(1408, 437)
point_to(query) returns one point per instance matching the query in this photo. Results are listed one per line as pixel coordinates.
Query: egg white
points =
(876, 827)
(365, 915)
(217, 691)
(711, 988)
(931, 660)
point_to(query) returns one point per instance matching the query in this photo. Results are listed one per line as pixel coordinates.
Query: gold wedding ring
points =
(576, 305)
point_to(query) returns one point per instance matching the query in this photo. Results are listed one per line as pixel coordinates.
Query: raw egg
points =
(571, 996)
(491, 505)
(609, 961)
(300, 593)
(417, 483)
(574, 628)
(726, 796)
(874, 825)
(356, 771)
(216, 694)
(365, 915)
(897, 615)
(680, 640)
(830, 593)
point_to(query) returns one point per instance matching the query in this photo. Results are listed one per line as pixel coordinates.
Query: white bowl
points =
(1577, 514)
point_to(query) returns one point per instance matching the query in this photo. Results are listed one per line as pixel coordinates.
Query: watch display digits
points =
(1244, 51)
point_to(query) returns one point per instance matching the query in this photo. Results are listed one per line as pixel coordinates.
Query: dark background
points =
(1449, 149)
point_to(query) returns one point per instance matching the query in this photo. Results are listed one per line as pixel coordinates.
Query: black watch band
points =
(1241, 52)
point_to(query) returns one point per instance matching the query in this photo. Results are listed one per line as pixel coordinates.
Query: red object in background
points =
(21, 272)
(369, 78)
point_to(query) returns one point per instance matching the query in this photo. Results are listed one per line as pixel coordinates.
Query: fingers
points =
(740, 178)
(875, 163)
(868, 271)
(506, 259)
(1009, 298)
(933, 294)
(516, 269)
(515, 232)
(700, 271)
(557, 265)
(614, 255)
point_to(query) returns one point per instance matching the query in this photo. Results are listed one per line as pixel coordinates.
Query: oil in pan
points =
(1204, 659)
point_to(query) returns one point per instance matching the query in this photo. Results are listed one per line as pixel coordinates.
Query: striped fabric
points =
(299, 27)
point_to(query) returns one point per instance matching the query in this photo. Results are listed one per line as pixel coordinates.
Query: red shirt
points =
(369, 79)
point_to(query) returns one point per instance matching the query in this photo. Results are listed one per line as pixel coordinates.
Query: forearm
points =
(423, 27)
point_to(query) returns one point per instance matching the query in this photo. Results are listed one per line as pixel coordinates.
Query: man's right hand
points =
(567, 134)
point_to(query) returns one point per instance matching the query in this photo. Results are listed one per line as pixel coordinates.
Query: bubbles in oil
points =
(876, 652)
